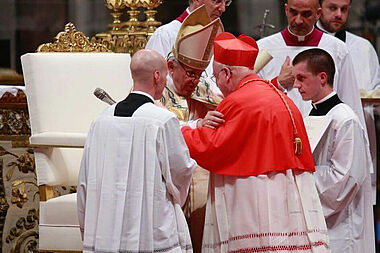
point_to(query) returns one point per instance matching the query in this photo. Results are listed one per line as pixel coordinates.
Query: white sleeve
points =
(338, 183)
(82, 190)
(180, 165)
(191, 123)
(374, 69)
(347, 88)
(161, 42)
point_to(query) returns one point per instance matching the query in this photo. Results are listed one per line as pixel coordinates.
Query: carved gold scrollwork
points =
(127, 43)
(72, 41)
(27, 242)
(25, 164)
(14, 122)
(23, 236)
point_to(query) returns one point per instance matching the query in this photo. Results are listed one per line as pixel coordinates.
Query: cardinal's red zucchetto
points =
(240, 51)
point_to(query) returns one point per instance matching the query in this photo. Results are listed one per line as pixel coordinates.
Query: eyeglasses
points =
(218, 2)
(213, 77)
(189, 73)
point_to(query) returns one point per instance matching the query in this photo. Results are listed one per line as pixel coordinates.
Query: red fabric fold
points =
(274, 81)
(182, 17)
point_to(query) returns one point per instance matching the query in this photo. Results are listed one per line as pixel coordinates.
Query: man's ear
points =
(319, 12)
(286, 9)
(170, 65)
(156, 77)
(228, 73)
(323, 78)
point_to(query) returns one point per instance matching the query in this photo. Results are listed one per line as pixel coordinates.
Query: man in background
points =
(342, 158)
(333, 20)
(164, 37)
(299, 35)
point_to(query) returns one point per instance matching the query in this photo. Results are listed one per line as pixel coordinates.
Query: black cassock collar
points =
(129, 105)
(340, 35)
(323, 108)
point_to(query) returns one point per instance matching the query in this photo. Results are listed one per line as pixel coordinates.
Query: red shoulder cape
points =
(311, 40)
(256, 138)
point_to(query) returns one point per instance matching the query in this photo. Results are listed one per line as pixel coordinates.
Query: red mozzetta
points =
(254, 107)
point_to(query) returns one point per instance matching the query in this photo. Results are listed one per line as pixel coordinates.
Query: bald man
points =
(136, 171)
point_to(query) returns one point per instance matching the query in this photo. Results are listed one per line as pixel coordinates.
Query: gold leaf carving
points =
(19, 197)
(17, 182)
(10, 172)
(70, 40)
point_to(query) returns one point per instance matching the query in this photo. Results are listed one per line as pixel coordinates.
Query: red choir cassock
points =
(258, 135)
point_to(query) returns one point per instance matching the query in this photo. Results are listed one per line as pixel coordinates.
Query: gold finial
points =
(116, 6)
(151, 22)
(70, 40)
(298, 145)
(131, 35)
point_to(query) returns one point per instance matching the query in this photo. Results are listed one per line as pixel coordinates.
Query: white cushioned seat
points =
(60, 238)
(59, 89)
(59, 228)
(59, 211)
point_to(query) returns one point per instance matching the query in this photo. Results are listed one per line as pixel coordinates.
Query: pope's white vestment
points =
(343, 162)
(188, 111)
(134, 178)
(345, 81)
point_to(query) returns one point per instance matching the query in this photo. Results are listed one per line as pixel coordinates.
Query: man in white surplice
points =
(342, 158)
(299, 36)
(136, 171)
(364, 58)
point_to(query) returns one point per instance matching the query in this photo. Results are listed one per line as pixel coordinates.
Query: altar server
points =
(364, 58)
(136, 171)
(342, 158)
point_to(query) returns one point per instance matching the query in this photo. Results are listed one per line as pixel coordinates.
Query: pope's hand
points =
(286, 78)
(213, 119)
